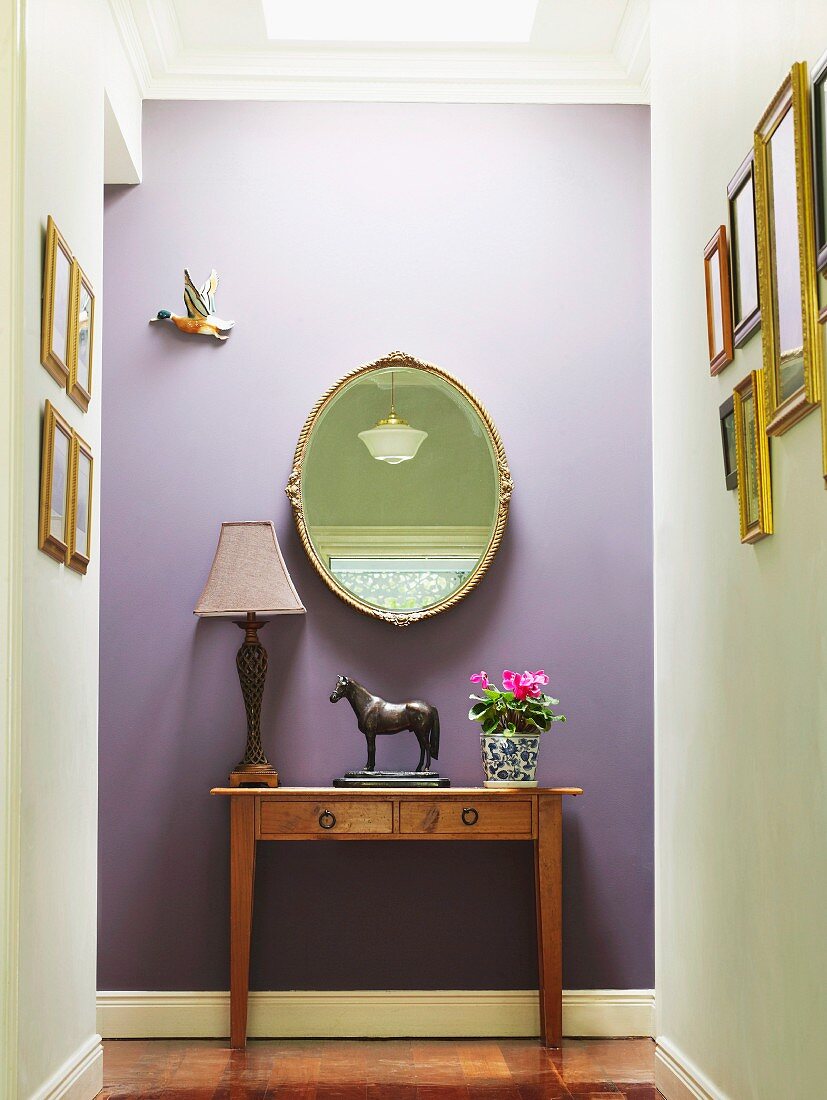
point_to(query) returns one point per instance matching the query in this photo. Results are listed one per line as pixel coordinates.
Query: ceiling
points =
(581, 51)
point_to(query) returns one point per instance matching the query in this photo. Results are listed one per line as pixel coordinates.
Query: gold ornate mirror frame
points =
(398, 359)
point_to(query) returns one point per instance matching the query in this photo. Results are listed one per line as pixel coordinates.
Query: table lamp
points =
(249, 579)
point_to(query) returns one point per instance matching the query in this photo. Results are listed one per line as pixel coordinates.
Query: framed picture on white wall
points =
(752, 448)
(726, 414)
(718, 302)
(79, 384)
(79, 527)
(55, 463)
(57, 319)
(819, 120)
(746, 311)
(784, 208)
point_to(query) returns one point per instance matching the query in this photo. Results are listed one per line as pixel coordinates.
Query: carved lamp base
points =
(254, 770)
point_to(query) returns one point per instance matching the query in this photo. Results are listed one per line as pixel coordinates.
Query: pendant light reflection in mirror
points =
(392, 439)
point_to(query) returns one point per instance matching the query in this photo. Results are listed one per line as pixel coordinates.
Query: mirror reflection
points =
(400, 488)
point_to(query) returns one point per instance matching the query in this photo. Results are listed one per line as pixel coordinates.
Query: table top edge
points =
(397, 792)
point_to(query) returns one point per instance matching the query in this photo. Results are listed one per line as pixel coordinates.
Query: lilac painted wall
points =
(510, 245)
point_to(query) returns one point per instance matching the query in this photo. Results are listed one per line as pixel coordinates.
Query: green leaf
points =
(478, 710)
(490, 723)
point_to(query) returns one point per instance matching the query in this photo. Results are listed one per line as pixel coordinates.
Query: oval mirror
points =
(400, 488)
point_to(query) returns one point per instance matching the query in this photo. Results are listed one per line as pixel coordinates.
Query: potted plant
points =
(512, 719)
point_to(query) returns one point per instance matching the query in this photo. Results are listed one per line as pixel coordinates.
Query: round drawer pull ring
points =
(326, 819)
(470, 816)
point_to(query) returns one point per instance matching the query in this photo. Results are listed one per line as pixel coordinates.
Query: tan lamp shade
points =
(248, 575)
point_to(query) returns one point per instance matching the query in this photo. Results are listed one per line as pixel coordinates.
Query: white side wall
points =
(69, 64)
(11, 328)
(741, 632)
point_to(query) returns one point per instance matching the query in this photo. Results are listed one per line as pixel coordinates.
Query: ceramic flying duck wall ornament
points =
(201, 318)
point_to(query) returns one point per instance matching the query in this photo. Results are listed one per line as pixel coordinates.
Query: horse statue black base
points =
(375, 716)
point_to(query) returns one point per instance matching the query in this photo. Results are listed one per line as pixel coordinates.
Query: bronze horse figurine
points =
(375, 716)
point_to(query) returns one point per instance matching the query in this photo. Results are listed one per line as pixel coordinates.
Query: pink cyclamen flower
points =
(480, 678)
(518, 684)
(510, 680)
(534, 681)
(525, 684)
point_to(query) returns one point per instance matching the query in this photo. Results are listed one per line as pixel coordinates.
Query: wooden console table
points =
(451, 813)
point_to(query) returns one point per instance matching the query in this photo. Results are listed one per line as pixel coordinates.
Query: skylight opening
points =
(394, 21)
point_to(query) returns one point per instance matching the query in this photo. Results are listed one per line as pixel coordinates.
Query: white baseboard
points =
(448, 1013)
(608, 1013)
(79, 1078)
(678, 1078)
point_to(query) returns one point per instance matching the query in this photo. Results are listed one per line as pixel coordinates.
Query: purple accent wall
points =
(510, 245)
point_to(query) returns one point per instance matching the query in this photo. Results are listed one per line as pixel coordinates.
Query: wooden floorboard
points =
(394, 1069)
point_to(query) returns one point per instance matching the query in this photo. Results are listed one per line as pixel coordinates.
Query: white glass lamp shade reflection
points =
(393, 440)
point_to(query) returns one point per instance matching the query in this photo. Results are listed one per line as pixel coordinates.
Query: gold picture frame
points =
(792, 353)
(57, 321)
(79, 383)
(81, 480)
(399, 360)
(752, 448)
(55, 485)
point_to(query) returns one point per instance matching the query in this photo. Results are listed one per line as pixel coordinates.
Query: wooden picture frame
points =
(79, 384)
(819, 120)
(753, 453)
(726, 414)
(55, 485)
(81, 480)
(718, 302)
(792, 353)
(746, 308)
(57, 322)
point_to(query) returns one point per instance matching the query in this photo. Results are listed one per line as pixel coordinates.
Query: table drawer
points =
(310, 818)
(467, 817)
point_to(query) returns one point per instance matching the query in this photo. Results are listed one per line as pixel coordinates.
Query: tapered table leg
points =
(242, 878)
(548, 877)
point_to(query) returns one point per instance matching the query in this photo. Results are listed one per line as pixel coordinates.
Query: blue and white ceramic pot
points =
(510, 761)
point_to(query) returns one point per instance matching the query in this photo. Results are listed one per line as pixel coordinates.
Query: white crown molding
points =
(169, 71)
(646, 82)
(631, 45)
(167, 30)
(374, 1014)
(124, 19)
(678, 1078)
(597, 87)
